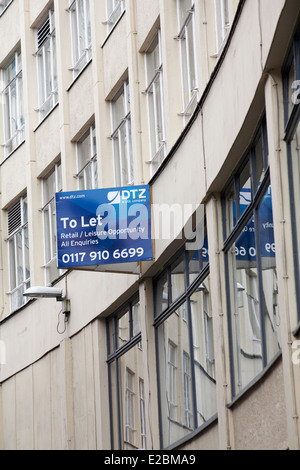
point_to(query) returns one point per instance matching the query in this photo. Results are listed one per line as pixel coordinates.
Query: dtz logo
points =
(127, 195)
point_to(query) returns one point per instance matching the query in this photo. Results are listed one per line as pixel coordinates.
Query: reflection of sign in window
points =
(246, 244)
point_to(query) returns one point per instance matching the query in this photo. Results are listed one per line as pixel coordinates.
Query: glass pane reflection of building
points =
(294, 150)
(253, 284)
(186, 366)
(126, 379)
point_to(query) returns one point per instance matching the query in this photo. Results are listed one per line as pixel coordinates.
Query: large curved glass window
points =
(185, 352)
(291, 86)
(126, 379)
(250, 256)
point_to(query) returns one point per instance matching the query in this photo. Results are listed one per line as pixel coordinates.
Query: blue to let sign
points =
(103, 226)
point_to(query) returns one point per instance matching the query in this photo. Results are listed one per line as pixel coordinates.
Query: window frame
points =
(114, 354)
(5, 5)
(8, 107)
(293, 58)
(79, 61)
(116, 4)
(291, 122)
(47, 98)
(155, 88)
(13, 258)
(142, 413)
(182, 36)
(47, 213)
(222, 27)
(90, 164)
(122, 144)
(192, 286)
(129, 407)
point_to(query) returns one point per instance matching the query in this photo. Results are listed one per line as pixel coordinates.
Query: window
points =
(186, 38)
(14, 128)
(114, 9)
(4, 4)
(154, 92)
(142, 415)
(184, 335)
(222, 21)
(121, 137)
(46, 65)
(51, 184)
(126, 378)
(18, 252)
(129, 406)
(251, 266)
(87, 175)
(81, 34)
(172, 369)
(291, 81)
(291, 87)
(187, 390)
(293, 143)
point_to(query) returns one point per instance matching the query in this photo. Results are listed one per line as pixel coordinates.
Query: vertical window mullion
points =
(91, 143)
(192, 368)
(16, 259)
(118, 405)
(78, 29)
(23, 257)
(91, 166)
(222, 18)
(50, 230)
(120, 156)
(162, 108)
(85, 177)
(86, 27)
(5, 116)
(12, 260)
(155, 117)
(52, 70)
(188, 61)
(93, 172)
(114, 161)
(261, 290)
(23, 242)
(18, 110)
(56, 178)
(51, 60)
(126, 129)
(44, 73)
(9, 114)
(17, 98)
(128, 160)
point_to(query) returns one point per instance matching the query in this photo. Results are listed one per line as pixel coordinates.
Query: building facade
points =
(199, 348)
